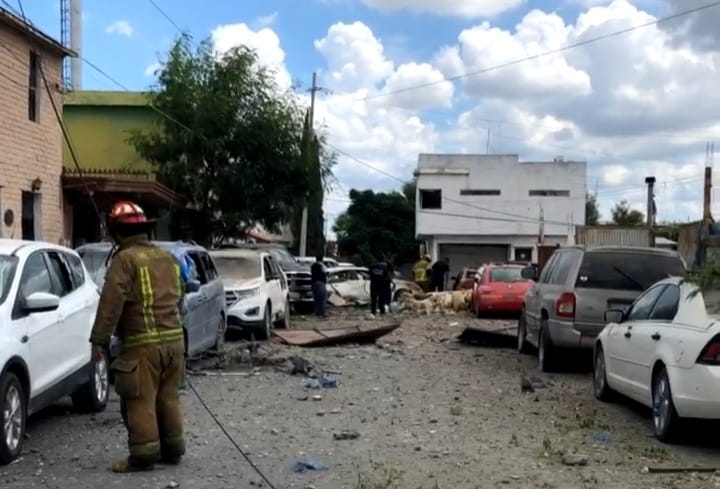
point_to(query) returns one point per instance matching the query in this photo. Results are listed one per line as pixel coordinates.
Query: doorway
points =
(30, 216)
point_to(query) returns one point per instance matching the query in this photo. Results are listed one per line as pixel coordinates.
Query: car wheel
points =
(522, 344)
(600, 385)
(665, 417)
(546, 350)
(93, 396)
(220, 335)
(14, 412)
(266, 329)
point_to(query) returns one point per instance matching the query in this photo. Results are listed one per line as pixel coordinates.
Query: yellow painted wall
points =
(99, 125)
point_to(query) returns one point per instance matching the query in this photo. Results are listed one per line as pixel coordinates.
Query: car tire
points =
(93, 396)
(665, 417)
(265, 330)
(284, 321)
(522, 344)
(601, 389)
(546, 350)
(220, 335)
(13, 402)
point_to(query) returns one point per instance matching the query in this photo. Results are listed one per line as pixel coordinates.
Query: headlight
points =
(244, 294)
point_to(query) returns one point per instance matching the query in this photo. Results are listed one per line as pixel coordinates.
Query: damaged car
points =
(352, 284)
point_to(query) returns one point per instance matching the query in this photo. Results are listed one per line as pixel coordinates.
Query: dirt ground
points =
(423, 411)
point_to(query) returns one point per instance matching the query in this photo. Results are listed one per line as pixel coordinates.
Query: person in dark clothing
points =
(319, 286)
(378, 279)
(386, 295)
(440, 271)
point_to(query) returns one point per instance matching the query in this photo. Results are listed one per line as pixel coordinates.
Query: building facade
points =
(105, 163)
(490, 208)
(31, 205)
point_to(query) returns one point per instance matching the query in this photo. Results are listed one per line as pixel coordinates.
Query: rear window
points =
(96, 263)
(506, 274)
(626, 271)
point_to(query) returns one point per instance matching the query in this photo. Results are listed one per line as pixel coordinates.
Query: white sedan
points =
(663, 352)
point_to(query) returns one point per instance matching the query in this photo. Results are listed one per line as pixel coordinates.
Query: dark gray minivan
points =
(566, 306)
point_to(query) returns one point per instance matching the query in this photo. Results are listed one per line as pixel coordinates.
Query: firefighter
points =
(420, 272)
(139, 302)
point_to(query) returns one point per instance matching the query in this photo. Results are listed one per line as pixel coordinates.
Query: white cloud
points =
(459, 8)
(120, 27)
(152, 69)
(267, 20)
(437, 93)
(264, 41)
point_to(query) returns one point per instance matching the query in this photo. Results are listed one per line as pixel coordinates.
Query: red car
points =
(499, 288)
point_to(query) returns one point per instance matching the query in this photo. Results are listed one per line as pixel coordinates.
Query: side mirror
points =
(530, 273)
(41, 302)
(192, 286)
(614, 316)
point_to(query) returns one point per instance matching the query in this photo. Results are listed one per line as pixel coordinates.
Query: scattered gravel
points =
(418, 410)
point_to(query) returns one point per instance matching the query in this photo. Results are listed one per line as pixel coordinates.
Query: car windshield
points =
(96, 263)
(238, 267)
(281, 256)
(506, 274)
(627, 270)
(8, 265)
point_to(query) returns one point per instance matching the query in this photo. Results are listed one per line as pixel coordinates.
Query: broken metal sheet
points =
(330, 337)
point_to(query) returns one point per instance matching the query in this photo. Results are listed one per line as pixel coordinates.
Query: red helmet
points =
(126, 212)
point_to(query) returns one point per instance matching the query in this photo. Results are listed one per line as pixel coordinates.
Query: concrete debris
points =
(574, 459)
(346, 435)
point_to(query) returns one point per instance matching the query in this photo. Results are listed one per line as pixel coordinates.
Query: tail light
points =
(565, 306)
(711, 353)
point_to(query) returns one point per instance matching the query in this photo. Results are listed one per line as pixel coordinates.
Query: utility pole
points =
(541, 225)
(311, 116)
(650, 181)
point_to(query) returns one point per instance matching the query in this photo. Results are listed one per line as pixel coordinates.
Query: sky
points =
(638, 104)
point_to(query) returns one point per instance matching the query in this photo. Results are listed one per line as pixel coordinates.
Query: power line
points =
(164, 14)
(543, 54)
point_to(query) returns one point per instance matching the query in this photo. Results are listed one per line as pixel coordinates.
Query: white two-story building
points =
(490, 208)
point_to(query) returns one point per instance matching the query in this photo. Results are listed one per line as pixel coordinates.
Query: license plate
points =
(510, 298)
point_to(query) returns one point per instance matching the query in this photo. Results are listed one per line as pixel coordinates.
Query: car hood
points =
(241, 284)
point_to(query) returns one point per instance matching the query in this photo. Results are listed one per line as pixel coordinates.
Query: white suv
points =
(47, 308)
(256, 291)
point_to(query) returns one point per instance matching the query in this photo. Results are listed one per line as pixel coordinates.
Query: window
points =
(523, 254)
(239, 267)
(199, 273)
(626, 270)
(666, 306)
(506, 274)
(35, 277)
(269, 275)
(548, 269)
(209, 266)
(60, 276)
(640, 310)
(480, 192)
(33, 87)
(96, 263)
(77, 273)
(28, 216)
(430, 199)
(549, 193)
(563, 267)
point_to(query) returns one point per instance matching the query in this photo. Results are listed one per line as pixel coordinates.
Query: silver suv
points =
(565, 308)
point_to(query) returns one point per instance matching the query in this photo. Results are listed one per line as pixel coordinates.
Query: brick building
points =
(31, 205)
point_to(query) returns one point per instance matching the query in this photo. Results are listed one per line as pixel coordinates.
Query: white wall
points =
(513, 212)
(433, 243)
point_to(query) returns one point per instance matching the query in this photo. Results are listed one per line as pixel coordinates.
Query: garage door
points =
(472, 256)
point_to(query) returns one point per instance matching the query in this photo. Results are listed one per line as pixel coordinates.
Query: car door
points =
(623, 362)
(196, 317)
(215, 291)
(74, 314)
(532, 300)
(272, 284)
(45, 361)
(282, 286)
(648, 337)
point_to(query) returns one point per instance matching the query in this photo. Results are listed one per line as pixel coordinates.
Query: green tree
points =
(623, 215)
(376, 225)
(229, 141)
(592, 214)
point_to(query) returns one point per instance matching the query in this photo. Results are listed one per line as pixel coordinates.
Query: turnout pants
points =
(147, 379)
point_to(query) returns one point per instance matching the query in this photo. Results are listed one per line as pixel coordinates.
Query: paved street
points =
(429, 411)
